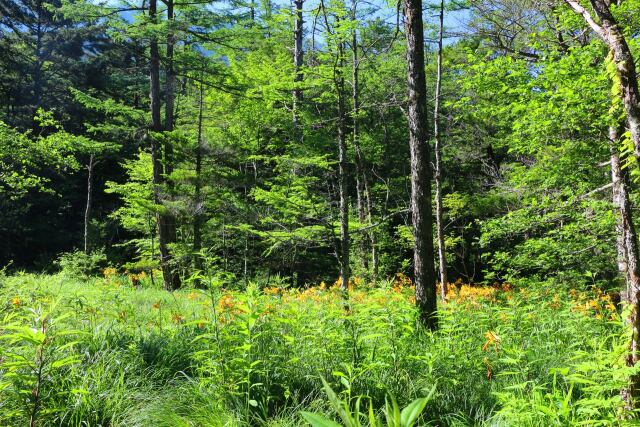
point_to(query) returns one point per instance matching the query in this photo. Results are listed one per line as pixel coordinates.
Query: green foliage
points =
(23, 157)
(39, 348)
(394, 417)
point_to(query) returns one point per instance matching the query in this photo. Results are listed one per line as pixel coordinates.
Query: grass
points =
(100, 352)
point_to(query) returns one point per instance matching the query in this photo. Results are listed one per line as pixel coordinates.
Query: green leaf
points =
(410, 414)
(317, 420)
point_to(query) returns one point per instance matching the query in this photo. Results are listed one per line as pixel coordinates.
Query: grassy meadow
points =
(102, 352)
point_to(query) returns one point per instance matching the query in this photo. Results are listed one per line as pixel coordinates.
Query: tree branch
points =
(577, 8)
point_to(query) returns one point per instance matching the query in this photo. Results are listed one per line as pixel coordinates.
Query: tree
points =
(628, 256)
(165, 230)
(442, 259)
(626, 79)
(198, 200)
(298, 62)
(91, 153)
(421, 174)
(336, 33)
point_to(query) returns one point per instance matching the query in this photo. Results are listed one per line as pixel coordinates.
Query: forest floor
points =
(101, 352)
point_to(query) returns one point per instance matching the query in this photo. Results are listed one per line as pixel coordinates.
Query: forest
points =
(326, 213)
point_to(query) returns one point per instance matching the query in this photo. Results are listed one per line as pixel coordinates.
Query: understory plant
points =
(352, 415)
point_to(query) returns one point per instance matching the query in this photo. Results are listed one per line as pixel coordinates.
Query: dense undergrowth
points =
(100, 352)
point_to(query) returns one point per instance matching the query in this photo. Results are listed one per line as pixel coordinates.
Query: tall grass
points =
(113, 354)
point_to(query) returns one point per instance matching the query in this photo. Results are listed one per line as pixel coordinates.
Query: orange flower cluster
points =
(315, 294)
(354, 283)
(111, 277)
(491, 340)
(226, 302)
(268, 309)
(135, 279)
(471, 293)
(400, 281)
(109, 273)
(600, 305)
(272, 291)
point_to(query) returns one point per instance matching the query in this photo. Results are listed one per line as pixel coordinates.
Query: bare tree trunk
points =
(628, 259)
(171, 228)
(298, 58)
(169, 92)
(171, 279)
(245, 256)
(438, 154)
(372, 232)
(37, 72)
(87, 210)
(152, 234)
(421, 174)
(612, 34)
(361, 177)
(245, 270)
(198, 217)
(342, 170)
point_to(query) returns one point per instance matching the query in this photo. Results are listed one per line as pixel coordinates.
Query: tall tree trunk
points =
(342, 251)
(421, 173)
(152, 235)
(198, 217)
(372, 232)
(169, 90)
(169, 276)
(360, 168)
(609, 30)
(342, 169)
(619, 194)
(438, 154)
(612, 34)
(245, 270)
(298, 61)
(248, 219)
(629, 265)
(37, 72)
(87, 210)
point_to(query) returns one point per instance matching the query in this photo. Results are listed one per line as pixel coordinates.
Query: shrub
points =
(80, 265)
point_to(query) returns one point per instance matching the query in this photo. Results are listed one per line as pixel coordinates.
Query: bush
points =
(80, 265)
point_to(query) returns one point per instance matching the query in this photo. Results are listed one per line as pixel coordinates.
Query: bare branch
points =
(577, 8)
